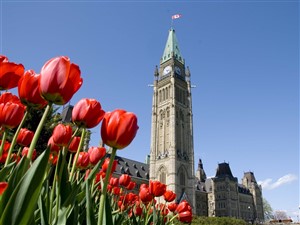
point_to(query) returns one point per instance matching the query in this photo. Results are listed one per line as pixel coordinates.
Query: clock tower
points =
(172, 146)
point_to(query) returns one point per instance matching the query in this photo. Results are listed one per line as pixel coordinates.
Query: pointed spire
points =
(172, 48)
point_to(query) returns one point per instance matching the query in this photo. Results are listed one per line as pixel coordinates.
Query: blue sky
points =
(243, 57)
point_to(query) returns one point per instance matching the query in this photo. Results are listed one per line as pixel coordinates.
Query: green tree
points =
(268, 211)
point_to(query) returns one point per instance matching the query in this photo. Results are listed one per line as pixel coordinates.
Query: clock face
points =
(167, 70)
(177, 70)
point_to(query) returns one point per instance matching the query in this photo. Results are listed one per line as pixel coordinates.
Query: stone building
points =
(171, 158)
(172, 148)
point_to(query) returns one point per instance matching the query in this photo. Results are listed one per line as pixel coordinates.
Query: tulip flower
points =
(3, 186)
(145, 195)
(96, 153)
(10, 73)
(74, 144)
(25, 137)
(106, 163)
(183, 206)
(113, 181)
(157, 188)
(25, 152)
(83, 160)
(172, 206)
(185, 217)
(118, 128)
(169, 196)
(53, 147)
(11, 110)
(87, 113)
(124, 180)
(60, 80)
(131, 185)
(28, 89)
(62, 135)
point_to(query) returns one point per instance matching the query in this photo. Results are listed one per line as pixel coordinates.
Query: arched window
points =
(167, 92)
(160, 96)
(162, 177)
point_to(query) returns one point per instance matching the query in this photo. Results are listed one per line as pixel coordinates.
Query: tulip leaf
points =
(68, 205)
(23, 200)
(90, 214)
(5, 171)
(107, 217)
(15, 177)
(43, 211)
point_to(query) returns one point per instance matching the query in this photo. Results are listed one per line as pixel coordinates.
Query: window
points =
(162, 177)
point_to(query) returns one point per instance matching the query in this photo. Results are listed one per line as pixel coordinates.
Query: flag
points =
(176, 16)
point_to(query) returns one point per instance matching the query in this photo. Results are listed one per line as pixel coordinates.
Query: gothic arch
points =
(162, 174)
(182, 175)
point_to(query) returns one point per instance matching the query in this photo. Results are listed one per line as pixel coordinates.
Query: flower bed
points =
(64, 184)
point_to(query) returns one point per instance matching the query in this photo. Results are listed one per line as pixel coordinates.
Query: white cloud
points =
(268, 184)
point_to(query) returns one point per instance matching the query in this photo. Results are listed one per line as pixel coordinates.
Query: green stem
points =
(52, 195)
(38, 131)
(3, 142)
(77, 153)
(70, 162)
(14, 140)
(59, 177)
(104, 188)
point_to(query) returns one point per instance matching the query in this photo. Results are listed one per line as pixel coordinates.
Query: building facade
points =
(172, 148)
(171, 151)
(171, 159)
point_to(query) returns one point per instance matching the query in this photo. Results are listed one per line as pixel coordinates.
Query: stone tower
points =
(172, 153)
(249, 181)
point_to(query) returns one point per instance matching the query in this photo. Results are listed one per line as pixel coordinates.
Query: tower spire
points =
(172, 48)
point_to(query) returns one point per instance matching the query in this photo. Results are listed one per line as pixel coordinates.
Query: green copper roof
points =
(172, 48)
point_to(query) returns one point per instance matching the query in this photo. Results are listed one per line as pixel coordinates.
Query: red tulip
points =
(6, 146)
(53, 158)
(25, 137)
(172, 206)
(28, 89)
(3, 157)
(183, 206)
(87, 113)
(143, 186)
(74, 144)
(124, 180)
(83, 160)
(145, 195)
(53, 147)
(60, 80)
(131, 185)
(185, 217)
(116, 190)
(62, 134)
(10, 73)
(118, 128)
(3, 186)
(11, 110)
(113, 181)
(105, 165)
(99, 176)
(157, 188)
(169, 196)
(138, 211)
(96, 153)
(25, 152)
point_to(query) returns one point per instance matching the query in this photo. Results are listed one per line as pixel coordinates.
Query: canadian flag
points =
(176, 16)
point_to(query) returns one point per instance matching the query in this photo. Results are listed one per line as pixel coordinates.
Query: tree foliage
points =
(268, 211)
